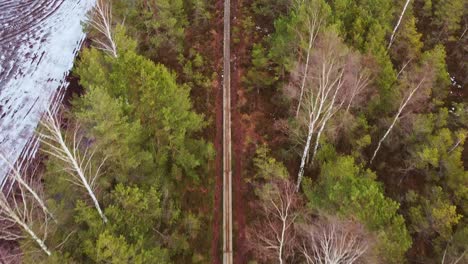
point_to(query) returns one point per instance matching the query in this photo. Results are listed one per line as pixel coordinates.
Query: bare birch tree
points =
(16, 176)
(101, 20)
(314, 20)
(327, 88)
(273, 238)
(333, 242)
(20, 211)
(398, 115)
(392, 37)
(79, 165)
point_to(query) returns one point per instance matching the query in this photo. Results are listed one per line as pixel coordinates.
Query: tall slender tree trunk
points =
(13, 216)
(18, 177)
(304, 77)
(36, 239)
(330, 112)
(305, 153)
(84, 181)
(392, 38)
(70, 155)
(395, 119)
(281, 242)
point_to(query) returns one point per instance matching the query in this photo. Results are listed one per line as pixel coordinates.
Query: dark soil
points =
(218, 95)
(238, 132)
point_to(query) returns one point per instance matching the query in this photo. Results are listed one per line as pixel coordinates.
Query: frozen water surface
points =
(39, 40)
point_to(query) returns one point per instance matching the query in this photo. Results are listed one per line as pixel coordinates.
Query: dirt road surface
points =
(227, 166)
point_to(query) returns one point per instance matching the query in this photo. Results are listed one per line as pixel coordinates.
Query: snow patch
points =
(39, 40)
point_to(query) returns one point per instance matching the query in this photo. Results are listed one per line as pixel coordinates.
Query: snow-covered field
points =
(38, 43)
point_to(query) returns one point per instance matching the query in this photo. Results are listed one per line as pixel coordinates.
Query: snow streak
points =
(39, 40)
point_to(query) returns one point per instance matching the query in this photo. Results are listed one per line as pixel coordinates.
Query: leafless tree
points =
(314, 21)
(402, 106)
(392, 37)
(101, 20)
(16, 176)
(273, 238)
(421, 84)
(334, 80)
(333, 241)
(20, 211)
(358, 78)
(79, 165)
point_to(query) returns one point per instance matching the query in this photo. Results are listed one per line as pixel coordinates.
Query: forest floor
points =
(217, 33)
(239, 205)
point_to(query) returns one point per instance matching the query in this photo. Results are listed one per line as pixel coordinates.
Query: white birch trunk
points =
(330, 112)
(281, 241)
(19, 178)
(34, 237)
(13, 215)
(70, 157)
(305, 73)
(315, 23)
(275, 236)
(398, 24)
(101, 20)
(304, 155)
(395, 119)
(316, 116)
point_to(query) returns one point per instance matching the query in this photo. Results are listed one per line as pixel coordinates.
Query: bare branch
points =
(16, 176)
(333, 241)
(273, 239)
(314, 24)
(74, 162)
(335, 77)
(14, 214)
(101, 20)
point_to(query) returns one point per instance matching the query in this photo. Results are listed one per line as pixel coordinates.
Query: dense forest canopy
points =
(350, 119)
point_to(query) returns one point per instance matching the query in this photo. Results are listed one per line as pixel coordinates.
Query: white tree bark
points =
(304, 154)
(78, 166)
(333, 243)
(16, 176)
(321, 106)
(332, 109)
(315, 23)
(392, 38)
(101, 20)
(20, 213)
(304, 77)
(396, 118)
(278, 209)
(403, 68)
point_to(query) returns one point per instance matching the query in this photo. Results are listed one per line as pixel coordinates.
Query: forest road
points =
(227, 155)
